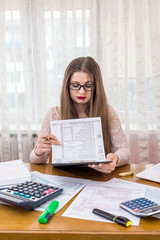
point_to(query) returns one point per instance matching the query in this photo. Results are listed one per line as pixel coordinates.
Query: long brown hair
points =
(98, 106)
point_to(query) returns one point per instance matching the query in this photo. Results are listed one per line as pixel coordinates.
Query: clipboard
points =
(82, 142)
(80, 163)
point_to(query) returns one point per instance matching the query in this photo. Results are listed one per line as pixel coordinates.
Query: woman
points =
(83, 96)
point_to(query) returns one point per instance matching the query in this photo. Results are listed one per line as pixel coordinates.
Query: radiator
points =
(17, 147)
(144, 148)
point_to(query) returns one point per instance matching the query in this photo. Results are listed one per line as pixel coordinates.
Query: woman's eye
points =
(88, 86)
(75, 85)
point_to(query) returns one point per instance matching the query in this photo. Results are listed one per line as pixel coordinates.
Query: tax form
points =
(71, 186)
(107, 196)
(82, 141)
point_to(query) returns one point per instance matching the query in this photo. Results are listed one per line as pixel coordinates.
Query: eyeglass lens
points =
(77, 86)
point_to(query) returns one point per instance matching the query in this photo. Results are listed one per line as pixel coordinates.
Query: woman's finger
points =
(50, 139)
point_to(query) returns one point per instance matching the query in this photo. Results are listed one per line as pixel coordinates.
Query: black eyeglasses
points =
(76, 86)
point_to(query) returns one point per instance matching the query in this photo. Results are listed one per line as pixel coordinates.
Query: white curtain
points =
(38, 38)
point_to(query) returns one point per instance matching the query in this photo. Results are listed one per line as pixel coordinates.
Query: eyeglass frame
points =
(93, 86)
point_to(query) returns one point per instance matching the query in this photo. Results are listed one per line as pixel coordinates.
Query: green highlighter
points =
(50, 209)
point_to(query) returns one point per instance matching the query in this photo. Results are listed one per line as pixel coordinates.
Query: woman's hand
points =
(106, 167)
(44, 143)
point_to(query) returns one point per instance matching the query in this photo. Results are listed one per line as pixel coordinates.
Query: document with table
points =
(70, 186)
(96, 194)
(107, 196)
(82, 141)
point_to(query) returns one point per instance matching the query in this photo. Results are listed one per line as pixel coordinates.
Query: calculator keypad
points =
(29, 194)
(141, 206)
(31, 190)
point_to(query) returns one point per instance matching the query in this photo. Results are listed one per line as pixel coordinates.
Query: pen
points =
(118, 219)
(46, 139)
(50, 209)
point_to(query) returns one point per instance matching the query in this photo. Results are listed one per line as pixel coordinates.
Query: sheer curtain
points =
(38, 40)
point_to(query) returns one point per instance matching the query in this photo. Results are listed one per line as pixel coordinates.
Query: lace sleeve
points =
(51, 115)
(119, 144)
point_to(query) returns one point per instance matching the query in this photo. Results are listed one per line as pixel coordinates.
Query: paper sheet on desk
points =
(71, 186)
(13, 172)
(153, 193)
(156, 215)
(107, 196)
(151, 174)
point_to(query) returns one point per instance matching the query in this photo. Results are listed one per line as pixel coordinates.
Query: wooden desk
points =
(21, 224)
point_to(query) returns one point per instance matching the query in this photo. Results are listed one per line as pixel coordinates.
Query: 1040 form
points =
(82, 141)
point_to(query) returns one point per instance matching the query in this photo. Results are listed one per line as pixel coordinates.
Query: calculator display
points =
(141, 207)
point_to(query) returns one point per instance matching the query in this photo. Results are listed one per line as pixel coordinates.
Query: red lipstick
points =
(80, 97)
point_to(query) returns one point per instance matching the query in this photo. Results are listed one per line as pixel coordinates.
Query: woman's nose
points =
(81, 90)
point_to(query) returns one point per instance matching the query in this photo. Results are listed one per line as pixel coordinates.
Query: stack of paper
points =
(13, 172)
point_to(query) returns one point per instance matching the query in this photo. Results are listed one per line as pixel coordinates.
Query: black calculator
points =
(29, 194)
(141, 207)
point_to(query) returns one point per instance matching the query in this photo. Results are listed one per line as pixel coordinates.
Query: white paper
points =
(107, 196)
(153, 193)
(71, 186)
(81, 139)
(13, 172)
(152, 173)
(104, 196)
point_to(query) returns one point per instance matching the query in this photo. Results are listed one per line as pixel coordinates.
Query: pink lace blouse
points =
(118, 139)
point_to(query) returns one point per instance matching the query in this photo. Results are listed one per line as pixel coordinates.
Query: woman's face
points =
(79, 94)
